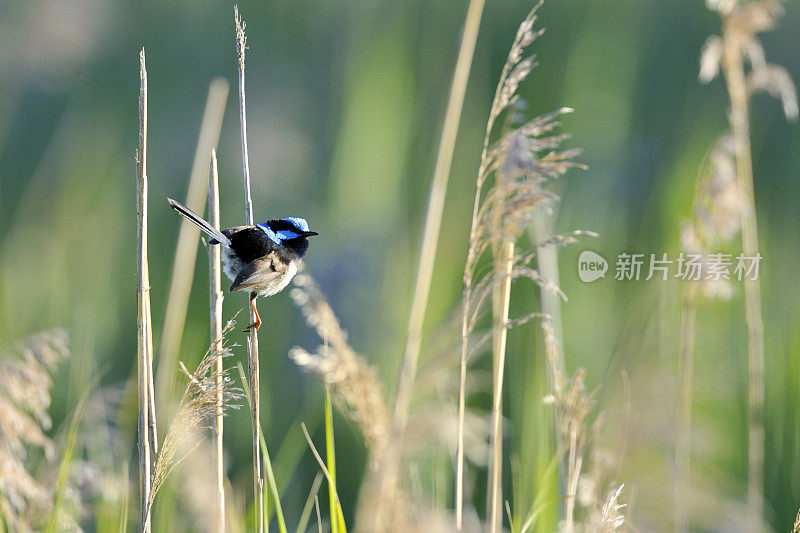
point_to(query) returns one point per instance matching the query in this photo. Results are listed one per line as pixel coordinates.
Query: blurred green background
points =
(345, 105)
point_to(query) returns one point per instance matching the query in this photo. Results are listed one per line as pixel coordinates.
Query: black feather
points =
(249, 242)
(217, 237)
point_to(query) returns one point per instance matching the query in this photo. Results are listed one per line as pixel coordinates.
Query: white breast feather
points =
(276, 284)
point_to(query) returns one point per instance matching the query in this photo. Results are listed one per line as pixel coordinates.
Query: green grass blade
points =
(273, 487)
(305, 516)
(292, 448)
(63, 470)
(337, 517)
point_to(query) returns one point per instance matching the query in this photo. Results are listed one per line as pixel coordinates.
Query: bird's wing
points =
(249, 242)
(261, 274)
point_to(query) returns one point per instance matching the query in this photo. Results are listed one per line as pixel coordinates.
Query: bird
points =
(261, 259)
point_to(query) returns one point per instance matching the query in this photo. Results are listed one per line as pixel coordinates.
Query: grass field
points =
(554, 287)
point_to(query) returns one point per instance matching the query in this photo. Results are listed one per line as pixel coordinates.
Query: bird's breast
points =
(275, 284)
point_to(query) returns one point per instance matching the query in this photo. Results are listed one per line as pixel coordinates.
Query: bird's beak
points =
(310, 233)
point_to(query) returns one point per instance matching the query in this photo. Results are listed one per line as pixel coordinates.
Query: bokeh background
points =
(346, 101)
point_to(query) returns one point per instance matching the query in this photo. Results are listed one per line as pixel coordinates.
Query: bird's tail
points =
(197, 220)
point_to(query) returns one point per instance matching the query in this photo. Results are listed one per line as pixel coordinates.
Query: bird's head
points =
(291, 232)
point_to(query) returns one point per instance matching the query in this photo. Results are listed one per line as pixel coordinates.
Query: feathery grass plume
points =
(611, 519)
(430, 428)
(355, 385)
(716, 219)
(197, 409)
(598, 491)
(715, 222)
(573, 404)
(796, 526)
(358, 393)
(737, 47)
(500, 212)
(25, 385)
(252, 338)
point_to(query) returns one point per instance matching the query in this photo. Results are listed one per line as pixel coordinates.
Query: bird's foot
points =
(254, 326)
(257, 324)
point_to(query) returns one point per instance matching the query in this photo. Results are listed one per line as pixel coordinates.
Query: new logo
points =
(591, 266)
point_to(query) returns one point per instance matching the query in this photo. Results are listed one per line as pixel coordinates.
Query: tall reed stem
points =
(504, 257)
(215, 306)
(147, 433)
(433, 217)
(180, 285)
(252, 339)
(733, 66)
(542, 228)
(466, 296)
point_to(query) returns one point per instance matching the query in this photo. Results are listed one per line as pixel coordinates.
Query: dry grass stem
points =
(573, 404)
(215, 306)
(319, 516)
(716, 221)
(198, 408)
(147, 423)
(433, 218)
(252, 339)
(520, 162)
(188, 236)
(739, 45)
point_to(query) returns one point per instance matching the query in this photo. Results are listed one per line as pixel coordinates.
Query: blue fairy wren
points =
(261, 259)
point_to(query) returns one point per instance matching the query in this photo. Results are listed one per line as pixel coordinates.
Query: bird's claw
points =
(251, 327)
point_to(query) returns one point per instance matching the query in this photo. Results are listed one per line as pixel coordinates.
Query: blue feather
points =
(297, 222)
(271, 234)
(278, 237)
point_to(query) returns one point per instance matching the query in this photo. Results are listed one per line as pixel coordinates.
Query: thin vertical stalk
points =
(330, 459)
(433, 217)
(574, 463)
(272, 483)
(684, 432)
(252, 339)
(466, 297)
(180, 285)
(215, 306)
(504, 257)
(547, 260)
(733, 66)
(337, 518)
(144, 329)
(541, 229)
